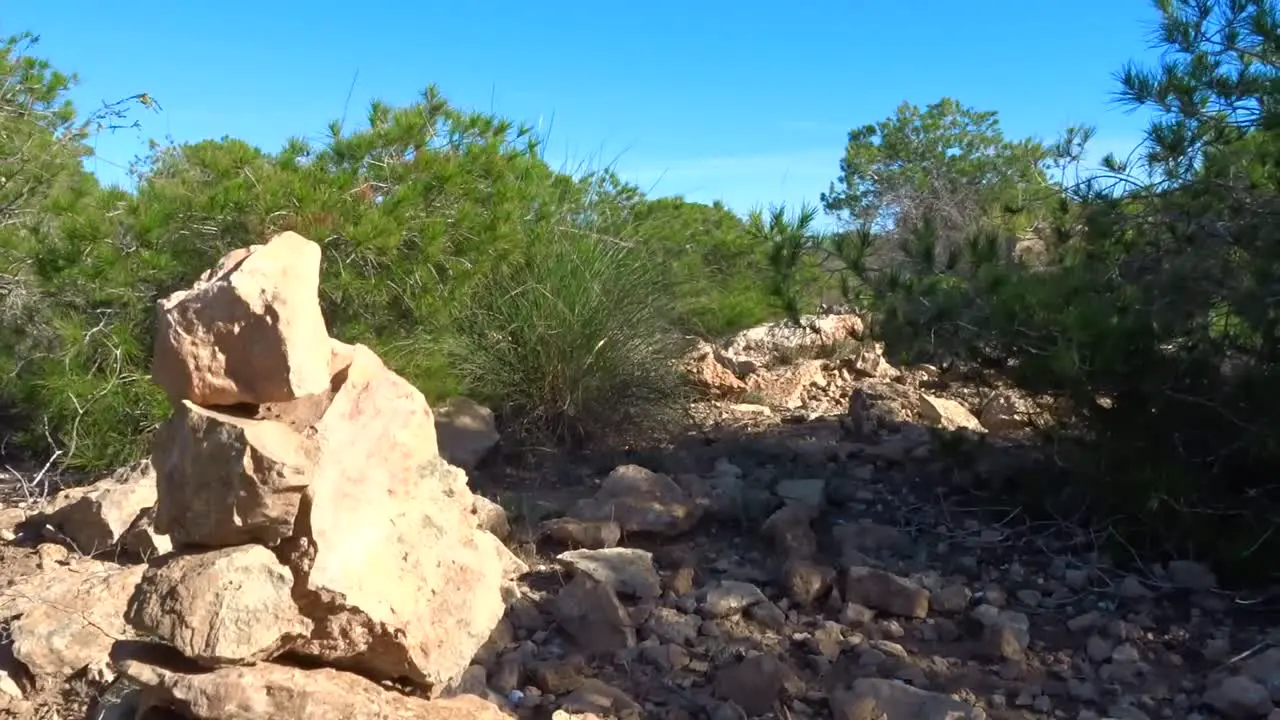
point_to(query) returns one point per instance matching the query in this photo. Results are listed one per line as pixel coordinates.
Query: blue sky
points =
(740, 101)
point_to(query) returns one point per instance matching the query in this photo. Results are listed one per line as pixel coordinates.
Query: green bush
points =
(425, 214)
(1153, 310)
(573, 343)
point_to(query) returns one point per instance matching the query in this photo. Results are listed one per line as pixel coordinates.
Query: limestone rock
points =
(281, 692)
(391, 566)
(640, 501)
(948, 414)
(465, 430)
(708, 375)
(876, 697)
(68, 617)
(250, 330)
(225, 479)
(223, 607)
(95, 518)
(880, 590)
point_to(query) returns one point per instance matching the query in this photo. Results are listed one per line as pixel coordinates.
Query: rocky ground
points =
(811, 549)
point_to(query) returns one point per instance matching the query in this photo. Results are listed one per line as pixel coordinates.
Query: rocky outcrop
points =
(311, 515)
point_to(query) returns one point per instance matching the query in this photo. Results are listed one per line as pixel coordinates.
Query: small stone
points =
(855, 615)
(1125, 653)
(1028, 597)
(1098, 648)
(809, 492)
(730, 597)
(951, 600)
(1132, 588)
(1192, 575)
(1240, 697)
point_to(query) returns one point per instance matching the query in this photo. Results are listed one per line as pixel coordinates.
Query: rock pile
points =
(312, 520)
(827, 364)
(308, 548)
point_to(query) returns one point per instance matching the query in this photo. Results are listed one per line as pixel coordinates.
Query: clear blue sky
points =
(741, 101)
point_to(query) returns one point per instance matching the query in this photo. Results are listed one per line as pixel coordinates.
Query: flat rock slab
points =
(281, 692)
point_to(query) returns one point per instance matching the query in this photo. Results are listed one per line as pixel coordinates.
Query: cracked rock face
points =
(232, 606)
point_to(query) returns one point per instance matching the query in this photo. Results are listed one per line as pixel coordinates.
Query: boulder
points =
(640, 501)
(390, 564)
(708, 375)
(226, 479)
(281, 692)
(95, 518)
(948, 414)
(249, 331)
(224, 607)
(67, 617)
(465, 430)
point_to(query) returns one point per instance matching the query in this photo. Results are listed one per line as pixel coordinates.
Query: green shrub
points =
(573, 343)
(1153, 309)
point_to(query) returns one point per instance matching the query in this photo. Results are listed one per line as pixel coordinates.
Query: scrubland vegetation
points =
(1143, 293)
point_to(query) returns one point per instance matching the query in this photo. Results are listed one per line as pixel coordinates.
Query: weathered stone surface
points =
(591, 613)
(947, 414)
(250, 330)
(224, 479)
(642, 501)
(95, 518)
(490, 516)
(876, 697)
(880, 590)
(786, 386)
(223, 607)
(280, 692)
(708, 375)
(392, 568)
(627, 571)
(67, 617)
(765, 343)
(582, 533)
(465, 430)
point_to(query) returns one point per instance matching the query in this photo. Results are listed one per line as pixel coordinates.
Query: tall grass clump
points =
(574, 343)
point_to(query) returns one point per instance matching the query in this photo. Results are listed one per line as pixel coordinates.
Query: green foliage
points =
(716, 267)
(574, 342)
(949, 163)
(426, 214)
(1153, 309)
(56, 342)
